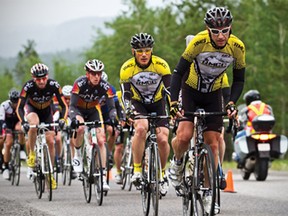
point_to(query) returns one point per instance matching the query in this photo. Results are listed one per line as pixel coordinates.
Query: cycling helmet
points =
(94, 65)
(251, 96)
(218, 17)
(39, 70)
(104, 76)
(14, 95)
(142, 40)
(67, 89)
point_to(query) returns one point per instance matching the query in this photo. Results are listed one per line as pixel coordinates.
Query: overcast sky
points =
(22, 12)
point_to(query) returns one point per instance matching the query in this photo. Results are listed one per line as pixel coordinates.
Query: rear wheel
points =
(187, 187)
(261, 169)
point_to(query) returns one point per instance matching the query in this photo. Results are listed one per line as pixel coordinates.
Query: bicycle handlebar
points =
(203, 113)
(152, 115)
(44, 125)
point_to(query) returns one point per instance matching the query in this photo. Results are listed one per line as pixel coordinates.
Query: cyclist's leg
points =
(21, 140)
(180, 144)
(6, 156)
(118, 152)
(138, 146)
(77, 161)
(32, 119)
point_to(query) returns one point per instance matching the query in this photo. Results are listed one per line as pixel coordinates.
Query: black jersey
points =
(41, 98)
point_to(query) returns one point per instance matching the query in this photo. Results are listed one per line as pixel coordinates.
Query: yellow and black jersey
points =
(210, 64)
(146, 85)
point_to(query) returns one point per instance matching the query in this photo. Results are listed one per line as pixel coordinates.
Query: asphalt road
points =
(250, 198)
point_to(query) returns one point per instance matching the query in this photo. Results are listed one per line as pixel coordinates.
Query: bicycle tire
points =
(218, 196)
(55, 169)
(38, 178)
(145, 194)
(123, 167)
(16, 165)
(197, 205)
(97, 172)
(187, 186)
(154, 173)
(47, 169)
(86, 176)
(107, 167)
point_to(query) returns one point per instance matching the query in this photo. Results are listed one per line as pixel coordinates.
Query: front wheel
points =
(97, 171)
(145, 189)
(48, 171)
(16, 165)
(204, 183)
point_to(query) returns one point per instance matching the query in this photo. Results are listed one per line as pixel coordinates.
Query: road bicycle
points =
(43, 170)
(66, 156)
(92, 165)
(15, 161)
(151, 166)
(199, 173)
(127, 159)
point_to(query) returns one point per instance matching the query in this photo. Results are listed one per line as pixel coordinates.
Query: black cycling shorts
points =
(210, 102)
(159, 107)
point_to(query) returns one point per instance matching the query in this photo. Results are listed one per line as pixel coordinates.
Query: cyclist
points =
(226, 97)
(85, 106)
(145, 81)
(112, 134)
(34, 107)
(9, 121)
(207, 57)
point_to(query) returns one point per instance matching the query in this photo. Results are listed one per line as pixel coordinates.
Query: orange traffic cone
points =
(230, 183)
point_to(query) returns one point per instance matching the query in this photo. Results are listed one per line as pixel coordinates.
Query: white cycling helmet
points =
(104, 76)
(67, 89)
(94, 65)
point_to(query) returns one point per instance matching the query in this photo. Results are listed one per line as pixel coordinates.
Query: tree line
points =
(260, 24)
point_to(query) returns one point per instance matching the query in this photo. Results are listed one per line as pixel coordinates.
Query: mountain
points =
(74, 34)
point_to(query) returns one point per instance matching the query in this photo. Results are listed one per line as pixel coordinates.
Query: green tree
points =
(25, 60)
(6, 83)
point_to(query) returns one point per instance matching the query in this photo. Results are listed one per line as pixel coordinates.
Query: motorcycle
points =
(255, 151)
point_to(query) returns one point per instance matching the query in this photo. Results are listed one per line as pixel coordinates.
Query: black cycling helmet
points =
(94, 65)
(39, 70)
(251, 96)
(14, 95)
(142, 40)
(218, 17)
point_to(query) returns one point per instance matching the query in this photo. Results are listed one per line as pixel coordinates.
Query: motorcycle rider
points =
(254, 107)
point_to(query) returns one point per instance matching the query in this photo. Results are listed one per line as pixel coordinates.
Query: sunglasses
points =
(141, 51)
(93, 73)
(38, 79)
(218, 31)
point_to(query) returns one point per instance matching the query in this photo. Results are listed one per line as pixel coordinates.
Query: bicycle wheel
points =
(217, 197)
(48, 171)
(145, 188)
(16, 165)
(38, 178)
(187, 186)
(154, 173)
(55, 169)
(124, 167)
(204, 182)
(108, 168)
(97, 171)
(86, 176)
